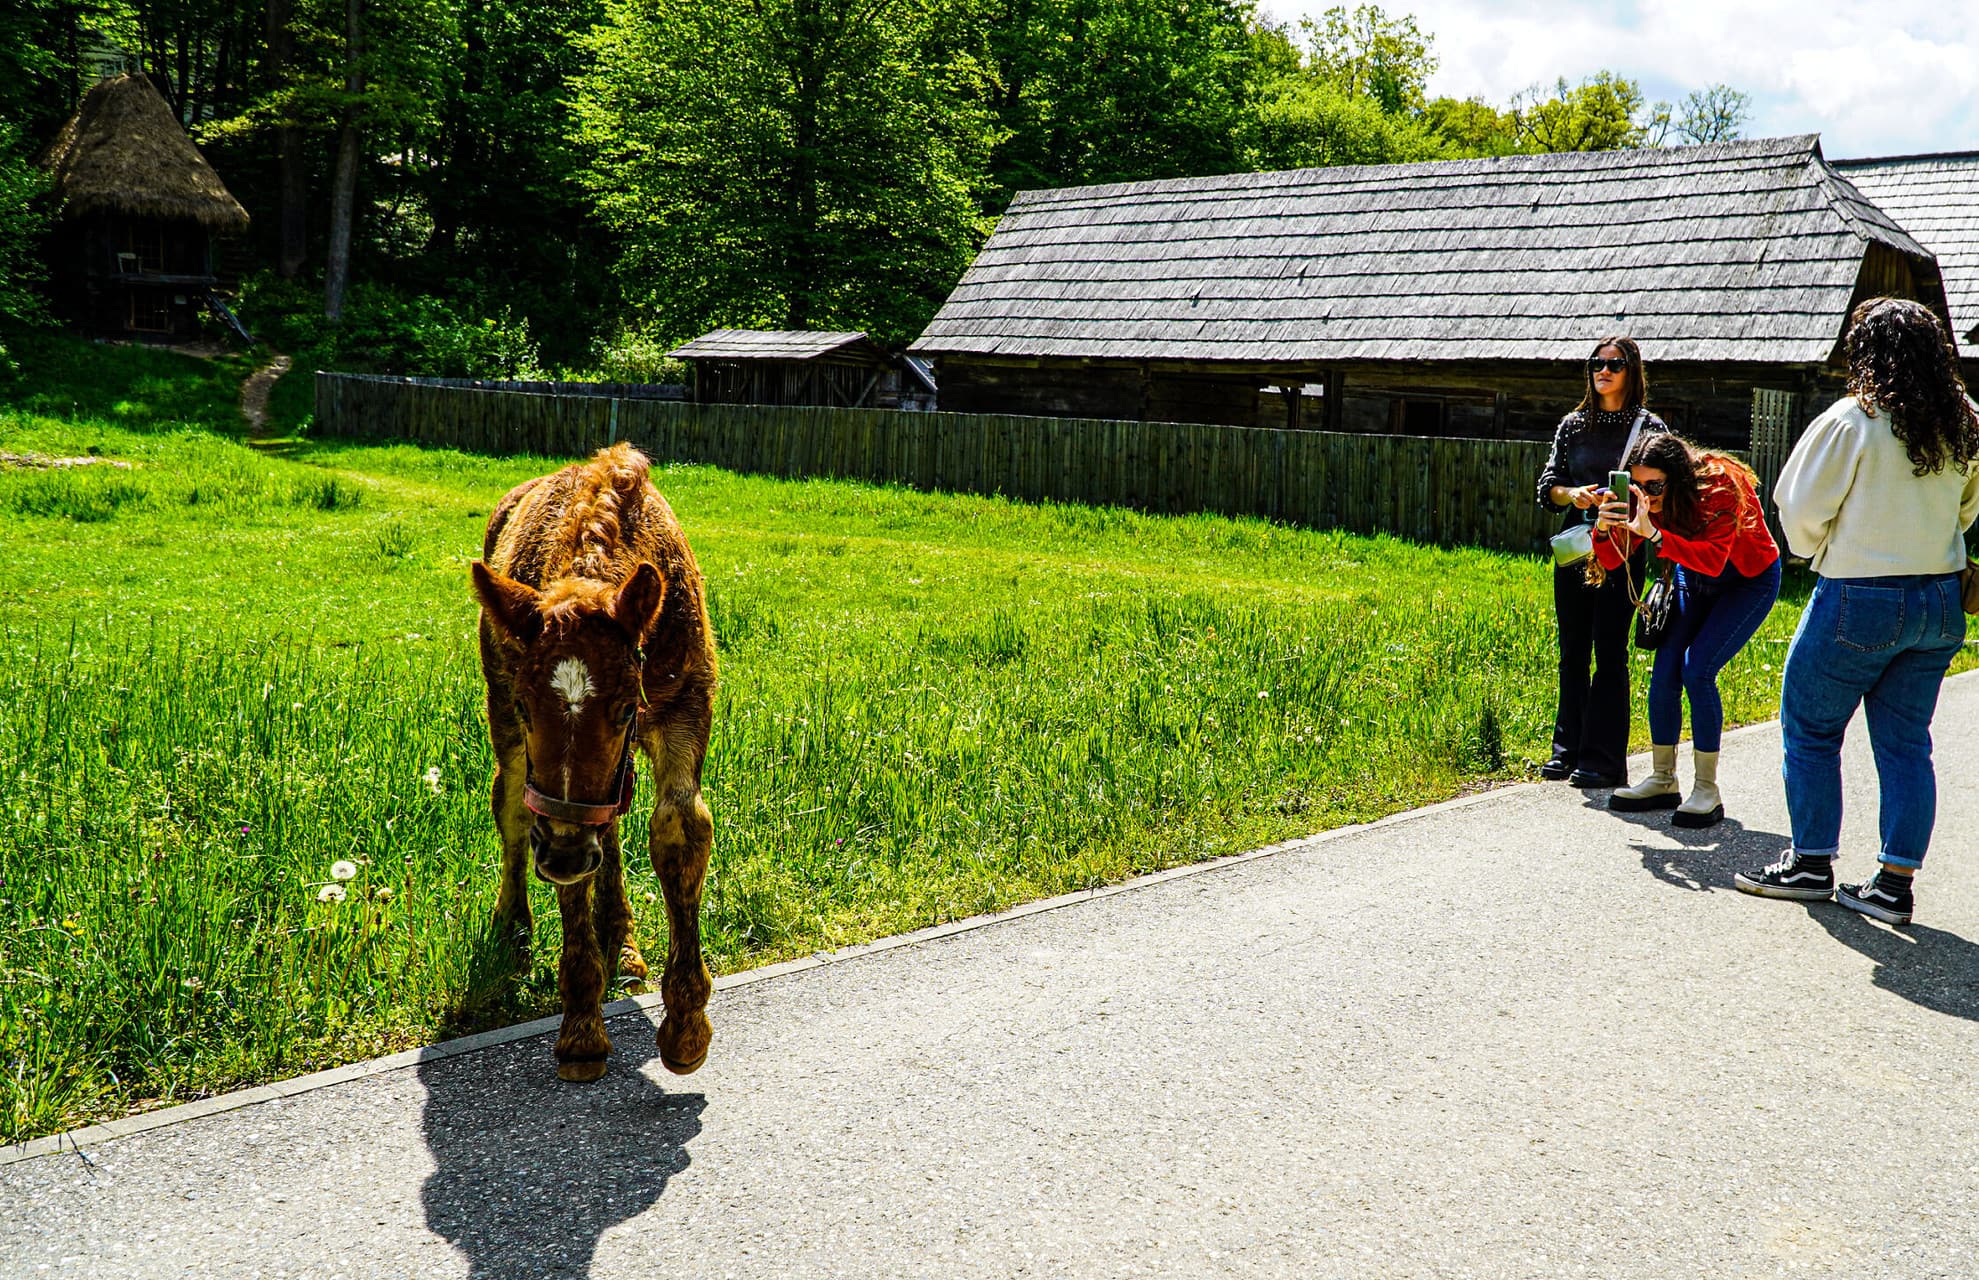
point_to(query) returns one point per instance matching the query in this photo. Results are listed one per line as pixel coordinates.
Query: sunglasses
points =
(1596, 364)
(1654, 488)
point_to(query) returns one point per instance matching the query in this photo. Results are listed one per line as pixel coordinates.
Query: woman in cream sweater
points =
(1877, 496)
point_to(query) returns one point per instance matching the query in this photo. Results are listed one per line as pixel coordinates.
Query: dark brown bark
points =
(293, 246)
(343, 194)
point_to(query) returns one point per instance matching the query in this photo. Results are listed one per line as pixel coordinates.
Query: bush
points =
(386, 331)
(631, 355)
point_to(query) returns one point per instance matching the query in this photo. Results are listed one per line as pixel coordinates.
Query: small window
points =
(151, 312)
(1422, 417)
(144, 247)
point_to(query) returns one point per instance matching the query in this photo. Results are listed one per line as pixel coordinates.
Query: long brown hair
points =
(1635, 384)
(1901, 359)
(1690, 472)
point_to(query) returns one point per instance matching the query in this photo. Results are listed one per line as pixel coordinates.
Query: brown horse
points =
(594, 642)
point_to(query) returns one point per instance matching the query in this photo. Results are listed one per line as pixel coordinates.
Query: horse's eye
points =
(625, 716)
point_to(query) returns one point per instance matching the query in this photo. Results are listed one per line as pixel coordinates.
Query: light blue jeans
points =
(1882, 644)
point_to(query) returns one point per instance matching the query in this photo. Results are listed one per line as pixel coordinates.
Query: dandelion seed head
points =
(383, 893)
(343, 870)
(330, 893)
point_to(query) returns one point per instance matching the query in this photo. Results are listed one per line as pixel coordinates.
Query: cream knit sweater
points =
(1851, 504)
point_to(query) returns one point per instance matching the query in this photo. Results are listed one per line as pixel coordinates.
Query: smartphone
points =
(1618, 484)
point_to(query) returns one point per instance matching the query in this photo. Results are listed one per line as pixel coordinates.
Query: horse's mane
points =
(592, 528)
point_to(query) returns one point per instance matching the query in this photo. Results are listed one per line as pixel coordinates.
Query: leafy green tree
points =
(802, 163)
(1470, 126)
(1367, 54)
(1118, 90)
(1303, 122)
(22, 223)
(1713, 114)
(1598, 114)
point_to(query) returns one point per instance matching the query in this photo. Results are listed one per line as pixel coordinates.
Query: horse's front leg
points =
(582, 1045)
(614, 914)
(513, 924)
(682, 833)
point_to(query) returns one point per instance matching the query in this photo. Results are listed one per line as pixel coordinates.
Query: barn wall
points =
(1494, 400)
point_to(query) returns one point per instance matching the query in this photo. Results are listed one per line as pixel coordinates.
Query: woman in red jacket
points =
(1700, 510)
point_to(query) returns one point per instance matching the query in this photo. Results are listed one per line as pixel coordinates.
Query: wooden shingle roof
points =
(1732, 251)
(1935, 199)
(776, 344)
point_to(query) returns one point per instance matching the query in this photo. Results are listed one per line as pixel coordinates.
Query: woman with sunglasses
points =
(1877, 495)
(1701, 511)
(1591, 724)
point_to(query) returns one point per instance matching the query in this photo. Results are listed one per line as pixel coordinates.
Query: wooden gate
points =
(1775, 422)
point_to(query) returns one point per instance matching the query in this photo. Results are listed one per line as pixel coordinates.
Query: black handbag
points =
(1655, 611)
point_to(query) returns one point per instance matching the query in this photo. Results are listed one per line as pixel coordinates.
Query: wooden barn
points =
(1936, 199)
(138, 213)
(1452, 298)
(795, 366)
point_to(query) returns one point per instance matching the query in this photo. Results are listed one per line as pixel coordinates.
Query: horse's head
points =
(577, 657)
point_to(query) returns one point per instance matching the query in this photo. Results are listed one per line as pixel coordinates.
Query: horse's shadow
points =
(1928, 967)
(531, 1172)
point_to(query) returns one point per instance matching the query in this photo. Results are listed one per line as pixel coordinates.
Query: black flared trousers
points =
(1591, 727)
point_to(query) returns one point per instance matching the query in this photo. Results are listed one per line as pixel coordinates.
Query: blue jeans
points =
(1883, 644)
(1714, 619)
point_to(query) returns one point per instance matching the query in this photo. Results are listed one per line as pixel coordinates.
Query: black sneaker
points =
(1556, 769)
(1792, 876)
(1589, 780)
(1884, 896)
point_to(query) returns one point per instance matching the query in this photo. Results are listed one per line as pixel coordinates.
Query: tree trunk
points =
(293, 247)
(343, 195)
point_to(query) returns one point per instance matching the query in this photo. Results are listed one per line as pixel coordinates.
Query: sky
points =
(1872, 77)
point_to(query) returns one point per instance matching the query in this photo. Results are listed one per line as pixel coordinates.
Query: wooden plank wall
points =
(1444, 490)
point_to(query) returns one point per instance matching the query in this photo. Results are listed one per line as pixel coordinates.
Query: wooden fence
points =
(1437, 490)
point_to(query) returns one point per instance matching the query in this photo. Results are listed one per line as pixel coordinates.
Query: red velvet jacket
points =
(1732, 531)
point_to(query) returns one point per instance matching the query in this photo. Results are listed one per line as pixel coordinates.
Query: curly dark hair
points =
(1635, 390)
(1901, 359)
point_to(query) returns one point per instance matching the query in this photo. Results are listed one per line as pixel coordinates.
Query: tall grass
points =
(215, 684)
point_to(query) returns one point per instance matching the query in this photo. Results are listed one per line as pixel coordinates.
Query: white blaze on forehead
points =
(572, 679)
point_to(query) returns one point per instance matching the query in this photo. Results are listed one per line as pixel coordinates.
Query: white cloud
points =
(1873, 77)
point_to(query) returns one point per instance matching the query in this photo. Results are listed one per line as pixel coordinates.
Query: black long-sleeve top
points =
(1587, 445)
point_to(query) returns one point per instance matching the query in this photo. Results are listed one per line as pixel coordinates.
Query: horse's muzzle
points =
(564, 859)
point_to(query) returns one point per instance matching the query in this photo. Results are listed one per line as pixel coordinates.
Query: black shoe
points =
(1555, 769)
(1588, 780)
(1884, 896)
(1809, 879)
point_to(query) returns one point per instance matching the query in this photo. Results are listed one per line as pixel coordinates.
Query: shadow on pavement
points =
(1926, 966)
(531, 1172)
(1706, 858)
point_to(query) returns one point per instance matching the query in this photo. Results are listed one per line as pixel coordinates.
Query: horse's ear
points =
(510, 603)
(638, 605)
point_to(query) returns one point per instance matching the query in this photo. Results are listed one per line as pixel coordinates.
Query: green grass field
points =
(224, 669)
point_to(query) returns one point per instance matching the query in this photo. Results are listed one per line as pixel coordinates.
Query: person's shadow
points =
(531, 1172)
(1926, 966)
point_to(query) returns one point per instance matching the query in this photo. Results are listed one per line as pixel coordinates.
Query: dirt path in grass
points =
(254, 394)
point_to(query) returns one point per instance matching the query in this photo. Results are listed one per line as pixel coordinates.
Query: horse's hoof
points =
(683, 1050)
(581, 1072)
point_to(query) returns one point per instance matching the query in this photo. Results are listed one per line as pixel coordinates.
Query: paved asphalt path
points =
(1518, 1036)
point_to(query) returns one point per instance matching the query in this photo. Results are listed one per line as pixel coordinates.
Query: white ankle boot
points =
(1705, 807)
(1657, 791)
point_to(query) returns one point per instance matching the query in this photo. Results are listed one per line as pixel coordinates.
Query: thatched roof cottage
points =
(1449, 298)
(139, 208)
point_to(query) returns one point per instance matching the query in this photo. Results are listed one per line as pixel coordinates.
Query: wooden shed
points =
(792, 366)
(1936, 199)
(1451, 298)
(138, 211)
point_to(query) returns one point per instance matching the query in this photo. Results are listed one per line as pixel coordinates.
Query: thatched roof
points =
(1936, 199)
(1733, 251)
(779, 344)
(124, 152)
